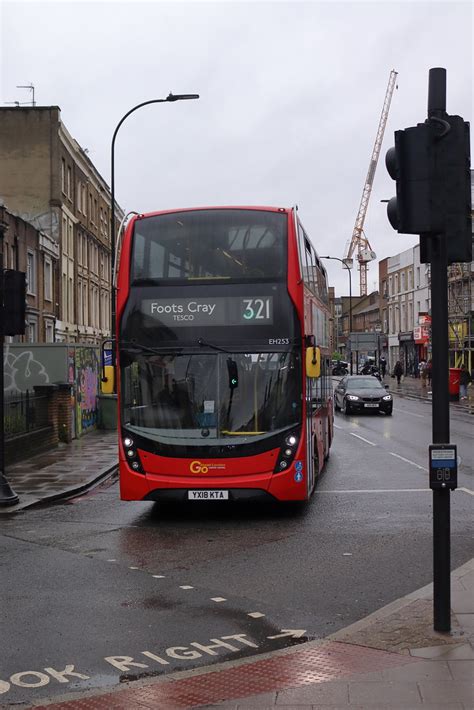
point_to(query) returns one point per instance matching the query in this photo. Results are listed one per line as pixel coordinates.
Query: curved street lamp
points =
(345, 263)
(169, 98)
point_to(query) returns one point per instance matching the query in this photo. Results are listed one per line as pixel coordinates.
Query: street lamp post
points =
(169, 98)
(345, 263)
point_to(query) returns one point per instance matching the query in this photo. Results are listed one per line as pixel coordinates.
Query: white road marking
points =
(412, 463)
(466, 490)
(336, 426)
(158, 576)
(256, 614)
(380, 490)
(362, 438)
(186, 586)
(294, 633)
(111, 560)
(218, 599)
(412, 414)
(134, 568)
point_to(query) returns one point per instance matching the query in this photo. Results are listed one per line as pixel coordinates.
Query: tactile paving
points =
(330, 660)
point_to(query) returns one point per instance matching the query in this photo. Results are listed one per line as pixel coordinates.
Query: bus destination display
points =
(211, 311)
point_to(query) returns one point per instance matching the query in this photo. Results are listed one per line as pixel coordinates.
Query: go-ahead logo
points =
(198, 467)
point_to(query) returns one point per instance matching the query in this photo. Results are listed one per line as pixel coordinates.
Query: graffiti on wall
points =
(87, 388)
(22, 371)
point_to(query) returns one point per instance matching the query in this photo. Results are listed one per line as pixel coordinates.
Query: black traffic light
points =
(14, 302)
(431, 166)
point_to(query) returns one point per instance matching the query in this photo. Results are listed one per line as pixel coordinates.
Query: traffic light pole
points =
(440, 386)
(7, 494)
(430, 163)
(440, 433)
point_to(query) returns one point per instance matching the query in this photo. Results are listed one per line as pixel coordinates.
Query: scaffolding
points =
(460, 315)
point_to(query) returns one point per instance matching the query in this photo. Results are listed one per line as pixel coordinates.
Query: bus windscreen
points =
(209, 396)
(218, 244)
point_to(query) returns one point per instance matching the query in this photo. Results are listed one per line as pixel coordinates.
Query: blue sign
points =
(107, 357)
(298, 476)
(299, 465)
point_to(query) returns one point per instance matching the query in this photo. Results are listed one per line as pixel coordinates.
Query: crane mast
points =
(359, 241)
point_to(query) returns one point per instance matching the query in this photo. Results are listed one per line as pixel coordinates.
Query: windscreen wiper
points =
(206, 343)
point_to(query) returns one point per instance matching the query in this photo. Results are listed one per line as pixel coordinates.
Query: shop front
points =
(408, 354)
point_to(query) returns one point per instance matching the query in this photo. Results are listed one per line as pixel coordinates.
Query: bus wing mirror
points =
(313, 362)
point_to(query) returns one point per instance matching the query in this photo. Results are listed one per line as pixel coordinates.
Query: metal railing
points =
(24, 412)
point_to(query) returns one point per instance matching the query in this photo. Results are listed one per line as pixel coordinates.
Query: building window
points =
(70, 238)
(395, 288)
(390, 286)
(84, 200)
(69, 182)
(64, 296)
(79, 197)
(85, 304)
(80, 318)
(70, 301)
(63, 175)
(31, 273)
(402, 281)
(48, 279)
(65, 251)
(32, 331)
(49, 331)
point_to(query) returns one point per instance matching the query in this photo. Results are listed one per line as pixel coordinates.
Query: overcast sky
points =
(291, 97)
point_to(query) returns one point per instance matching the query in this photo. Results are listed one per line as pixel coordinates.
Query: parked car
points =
(362, 393)
(340, 367)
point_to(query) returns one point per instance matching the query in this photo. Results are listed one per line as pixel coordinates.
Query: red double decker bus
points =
(223, 356)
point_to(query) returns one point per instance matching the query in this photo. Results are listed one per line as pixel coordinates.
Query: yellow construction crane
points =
(359, 241)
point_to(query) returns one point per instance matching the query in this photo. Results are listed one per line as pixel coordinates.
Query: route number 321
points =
(256, 308)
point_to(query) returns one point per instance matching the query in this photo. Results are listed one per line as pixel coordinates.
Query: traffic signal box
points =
(14, 302)
(431, 166)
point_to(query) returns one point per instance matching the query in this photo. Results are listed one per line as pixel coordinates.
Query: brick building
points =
(37, 255)
(48, 180)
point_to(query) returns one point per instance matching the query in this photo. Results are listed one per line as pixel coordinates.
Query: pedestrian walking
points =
(383, 366)
(398, 371)
(465, 380)
(422, 372)
(429, 371)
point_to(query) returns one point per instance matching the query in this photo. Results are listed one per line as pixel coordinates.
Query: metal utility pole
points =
(168, 99)
(7, 494)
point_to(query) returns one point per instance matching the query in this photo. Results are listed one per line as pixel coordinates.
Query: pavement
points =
(68, 470)
(391, 659)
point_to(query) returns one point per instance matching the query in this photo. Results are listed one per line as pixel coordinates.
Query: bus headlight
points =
(132, 454)
(287, 453)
